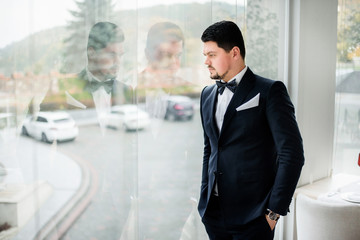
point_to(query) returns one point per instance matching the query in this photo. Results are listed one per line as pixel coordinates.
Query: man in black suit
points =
(253, 152)
(98, 85)
(104, 51)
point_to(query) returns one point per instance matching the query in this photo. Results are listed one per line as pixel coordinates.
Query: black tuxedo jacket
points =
(257, 157)
(74, 93)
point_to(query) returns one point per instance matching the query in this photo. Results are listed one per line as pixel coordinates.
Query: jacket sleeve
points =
(290, 155)
(207, 148)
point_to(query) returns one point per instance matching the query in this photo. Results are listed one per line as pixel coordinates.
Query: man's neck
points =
(234, 73)
(95, 75)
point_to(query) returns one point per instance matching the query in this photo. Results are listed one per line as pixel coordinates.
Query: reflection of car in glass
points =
(50, 126)
(128, 116)
(179, 108)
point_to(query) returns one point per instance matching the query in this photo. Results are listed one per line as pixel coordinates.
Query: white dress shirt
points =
(225, 98)
(102, 101)
(222, 104)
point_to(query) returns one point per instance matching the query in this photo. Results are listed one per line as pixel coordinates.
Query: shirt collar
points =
(239, 76)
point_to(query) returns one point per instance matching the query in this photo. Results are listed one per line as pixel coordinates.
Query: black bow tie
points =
(230, 85)
(94, 85)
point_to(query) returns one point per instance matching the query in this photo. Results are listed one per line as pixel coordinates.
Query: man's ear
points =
(91, 52)
(236, 52)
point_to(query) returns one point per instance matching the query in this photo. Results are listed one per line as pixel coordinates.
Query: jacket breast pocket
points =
(247, 119)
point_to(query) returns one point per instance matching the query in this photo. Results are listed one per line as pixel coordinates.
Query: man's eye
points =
(114, 55)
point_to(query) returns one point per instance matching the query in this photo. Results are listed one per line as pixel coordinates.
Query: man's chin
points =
(215, 77)
(109, 76)
(112, 74)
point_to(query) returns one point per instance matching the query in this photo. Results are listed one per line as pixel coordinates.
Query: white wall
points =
(311, 83)
(312, 64)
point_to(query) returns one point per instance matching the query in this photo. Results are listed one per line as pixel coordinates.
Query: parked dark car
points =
(179, 108)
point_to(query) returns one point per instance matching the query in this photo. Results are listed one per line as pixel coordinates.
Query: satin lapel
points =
(213, 100)
(245, 85)
(73, 102)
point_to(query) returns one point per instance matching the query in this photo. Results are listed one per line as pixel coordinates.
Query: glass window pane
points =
(123, 157)
(347, 96)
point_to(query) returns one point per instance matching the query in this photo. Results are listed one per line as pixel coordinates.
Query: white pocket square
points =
(72, 101)
(254, 102)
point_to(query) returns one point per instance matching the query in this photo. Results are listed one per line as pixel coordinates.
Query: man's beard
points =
(217, 76)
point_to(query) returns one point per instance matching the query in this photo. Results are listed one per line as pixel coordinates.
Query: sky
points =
(20, 18)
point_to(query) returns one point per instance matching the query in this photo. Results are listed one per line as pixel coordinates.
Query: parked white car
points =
(128, 116)
(50, 126)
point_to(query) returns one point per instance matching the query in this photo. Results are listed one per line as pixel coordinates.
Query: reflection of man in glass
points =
(164, 46)
(97, 85)
(104, 50)
(98, 79)
(157, 175)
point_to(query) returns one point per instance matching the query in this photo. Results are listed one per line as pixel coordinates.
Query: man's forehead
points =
(173, 45)
(210, 47)
(114, 46)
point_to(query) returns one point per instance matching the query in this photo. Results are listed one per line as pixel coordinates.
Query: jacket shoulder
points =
(207, 90)
(264, 81)
(268, 84)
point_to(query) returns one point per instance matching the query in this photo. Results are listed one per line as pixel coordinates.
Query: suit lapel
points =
(212, 104)
(245, 85)
(80, 86)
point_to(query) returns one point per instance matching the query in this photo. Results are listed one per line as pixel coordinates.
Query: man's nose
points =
(117, 59)
(207, 61)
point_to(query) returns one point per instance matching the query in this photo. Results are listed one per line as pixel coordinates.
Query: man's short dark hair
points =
(226, 34)
(103, 33)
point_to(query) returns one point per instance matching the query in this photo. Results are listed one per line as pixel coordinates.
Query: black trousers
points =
(214, 222)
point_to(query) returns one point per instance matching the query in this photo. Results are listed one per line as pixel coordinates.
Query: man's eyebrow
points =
(210, 52)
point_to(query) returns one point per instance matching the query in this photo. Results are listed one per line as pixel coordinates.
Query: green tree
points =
(88, 13)
(262, 39)
(354, 32)
(348, 44)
